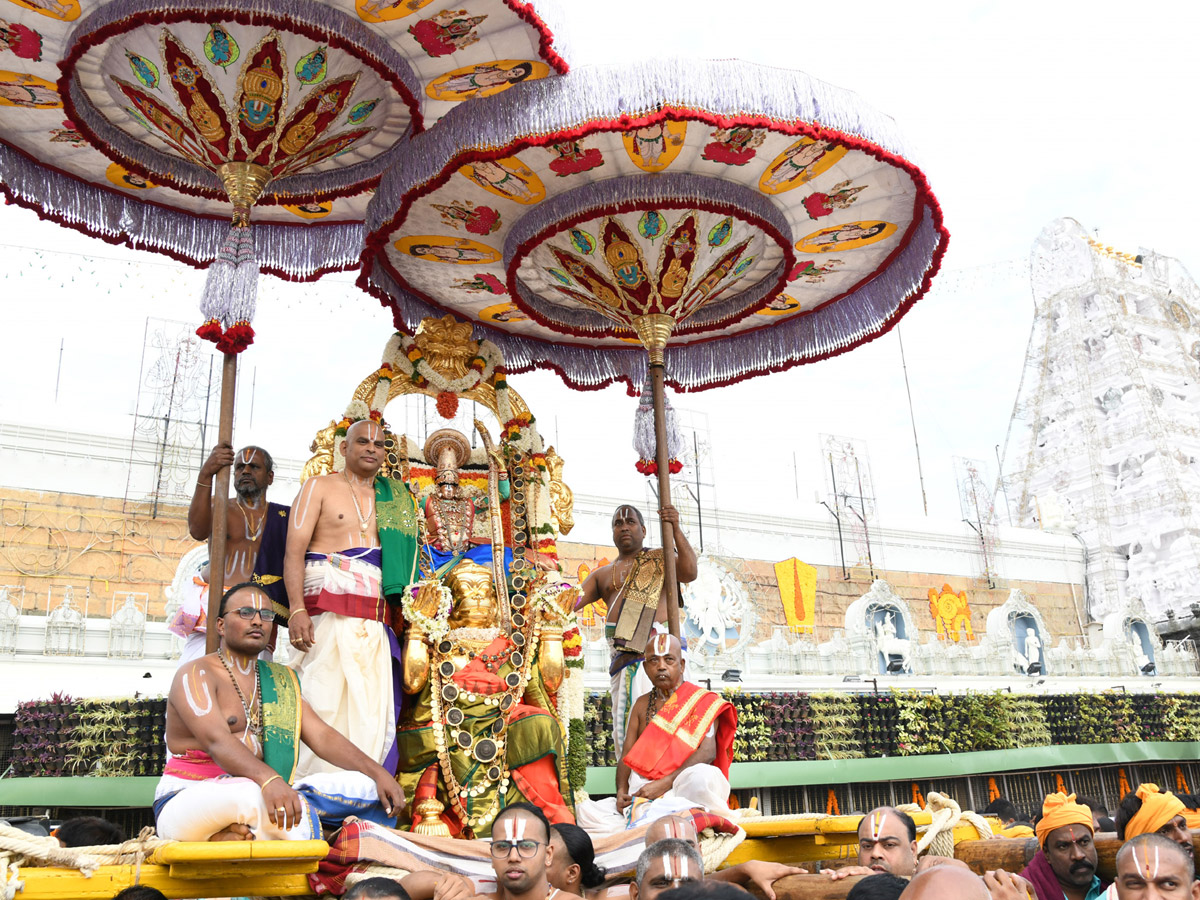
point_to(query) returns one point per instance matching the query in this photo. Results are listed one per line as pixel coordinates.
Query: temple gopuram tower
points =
(1104, 440)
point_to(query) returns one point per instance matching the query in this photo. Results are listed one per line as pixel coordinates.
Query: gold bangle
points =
(200, 483)
(263, 786)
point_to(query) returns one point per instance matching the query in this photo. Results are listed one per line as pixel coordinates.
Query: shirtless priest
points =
(234, 723)
(677, 751)
(633, 588)
(352, 543)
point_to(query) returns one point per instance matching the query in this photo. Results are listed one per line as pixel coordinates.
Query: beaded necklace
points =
(253, 709)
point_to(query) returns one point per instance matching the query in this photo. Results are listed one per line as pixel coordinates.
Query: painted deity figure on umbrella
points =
(634, 589)
(235, 725)
(257, 534)
(677, 750)
(352, 544)
(480, 731)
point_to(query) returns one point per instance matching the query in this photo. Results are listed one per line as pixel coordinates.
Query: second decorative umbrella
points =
(750, 218)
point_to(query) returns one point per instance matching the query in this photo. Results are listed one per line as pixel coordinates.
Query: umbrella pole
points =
(654, 330)
(220, 520)
(664, 496)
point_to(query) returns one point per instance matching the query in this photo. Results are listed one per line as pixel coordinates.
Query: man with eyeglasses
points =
(234, 726)
(522, 854)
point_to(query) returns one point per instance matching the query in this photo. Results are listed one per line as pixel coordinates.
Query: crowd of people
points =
(257, 753)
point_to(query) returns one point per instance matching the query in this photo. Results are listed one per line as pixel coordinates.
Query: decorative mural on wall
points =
(798, 593)
(951, 613)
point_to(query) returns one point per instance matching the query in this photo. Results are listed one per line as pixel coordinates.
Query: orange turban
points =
(1059, 810)
(1157, 810)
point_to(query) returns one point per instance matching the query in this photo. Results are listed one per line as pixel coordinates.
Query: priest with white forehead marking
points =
(634, 587)
(352, 547)
(677, 751)
(256, 536)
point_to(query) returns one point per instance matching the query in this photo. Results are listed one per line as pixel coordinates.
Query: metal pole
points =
(58, 375)
(863, 515)
(796, 474)
(670, 586)
(913, 418)
(162, 452)
(982, 543)
(1003, 486)
(220, 517)
(699, 508)
(207, 399)
(837, 518)
(841, 546)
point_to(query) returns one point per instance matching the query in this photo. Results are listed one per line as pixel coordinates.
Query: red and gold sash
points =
(678, 728)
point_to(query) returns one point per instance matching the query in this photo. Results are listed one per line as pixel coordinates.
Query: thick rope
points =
(945, 815)
(12, 879)
(19, 848)
(715, 846)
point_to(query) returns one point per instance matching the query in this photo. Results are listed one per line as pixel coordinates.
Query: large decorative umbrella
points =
(142, 122)
(747, 218)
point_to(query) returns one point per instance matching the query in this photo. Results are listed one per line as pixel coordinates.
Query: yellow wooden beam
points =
(68, 884)
(241, 851)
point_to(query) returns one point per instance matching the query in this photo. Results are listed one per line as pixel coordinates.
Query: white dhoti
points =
(188, 810)
(347, 675)
(696, 787)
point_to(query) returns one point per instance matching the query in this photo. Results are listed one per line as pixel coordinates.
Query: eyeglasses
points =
(249, 612)
(526, 849)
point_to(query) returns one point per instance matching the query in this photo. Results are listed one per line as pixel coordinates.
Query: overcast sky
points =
(1018, 113)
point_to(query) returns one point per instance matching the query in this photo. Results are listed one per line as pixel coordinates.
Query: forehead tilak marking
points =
(662, 644)
(666, 864)
(1151, 872)
(878, 819)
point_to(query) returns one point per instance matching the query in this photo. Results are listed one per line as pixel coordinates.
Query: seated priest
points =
(1066, 861)
(234, 726)
(678, 746)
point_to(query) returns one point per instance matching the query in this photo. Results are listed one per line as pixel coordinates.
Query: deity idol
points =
(451, 509)
(481, 730)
